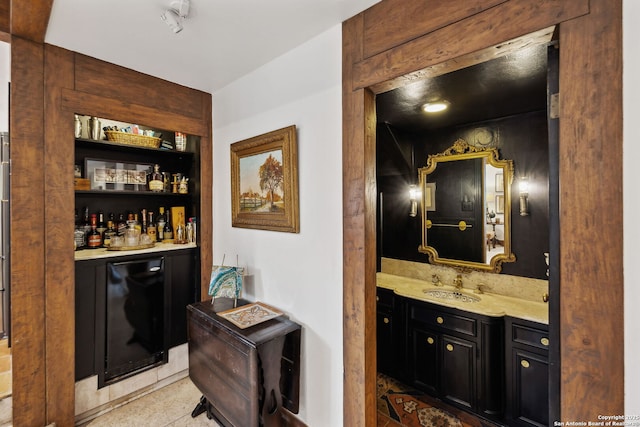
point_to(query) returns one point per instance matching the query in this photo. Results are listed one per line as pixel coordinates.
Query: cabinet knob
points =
(524, 363)
(544, 341)
(430, 340)
(440, 320)
(449, 347)
(377, 298)
(385, 320)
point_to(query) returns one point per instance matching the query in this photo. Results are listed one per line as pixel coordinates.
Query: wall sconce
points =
(524, 196)
(413, 198)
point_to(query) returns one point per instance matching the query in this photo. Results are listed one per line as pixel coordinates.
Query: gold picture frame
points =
(264, 182)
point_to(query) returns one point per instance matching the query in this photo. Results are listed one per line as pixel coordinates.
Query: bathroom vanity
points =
(470, 350)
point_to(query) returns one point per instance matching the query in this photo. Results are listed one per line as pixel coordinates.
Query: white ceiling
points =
(222, 40)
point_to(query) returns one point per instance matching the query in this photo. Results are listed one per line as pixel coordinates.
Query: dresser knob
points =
(430, 340)
(449, 347)
(524, 363)
(385, 320)
(544, 341)
(440, 320)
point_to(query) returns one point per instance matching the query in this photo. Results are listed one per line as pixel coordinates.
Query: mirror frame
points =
(461, 150)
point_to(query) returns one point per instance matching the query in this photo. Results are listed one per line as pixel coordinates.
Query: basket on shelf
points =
(125, 138)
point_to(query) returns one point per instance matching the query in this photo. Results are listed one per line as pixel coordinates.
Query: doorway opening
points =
(502, 104)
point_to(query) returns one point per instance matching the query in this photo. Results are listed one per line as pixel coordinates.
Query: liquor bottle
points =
(168, 229)
(122, 225)
(94, 240)
(143, 223)
(108, 234)
(101, 228)
(86, 223)
(155, 181)
(151, 228)
(160, 224)
(189, 231)
(78, 234)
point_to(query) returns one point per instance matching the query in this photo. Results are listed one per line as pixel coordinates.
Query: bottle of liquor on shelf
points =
(79, 237)
(86, 223)
(160, 221)
(94, 240)
(151, 228)
(155, 181)
(189, 231)
(168, 229)
(121, 225)
(101, 224)
(143, 223)
(108, 234)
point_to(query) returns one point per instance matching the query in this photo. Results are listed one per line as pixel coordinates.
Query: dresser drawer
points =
(526, 335)
(444, 320)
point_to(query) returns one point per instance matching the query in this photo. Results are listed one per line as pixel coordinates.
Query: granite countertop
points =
(87, 254)
(489, 305)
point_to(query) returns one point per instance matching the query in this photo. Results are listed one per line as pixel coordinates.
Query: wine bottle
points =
(168, 230)
(101, 227)
(94, 240)
(122, 225)
(160, 224)
(156, 180)
(151, 228)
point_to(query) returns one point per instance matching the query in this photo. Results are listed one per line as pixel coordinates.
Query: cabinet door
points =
(424, 354)
(458, 371)
(530, 382)
(181, 270)
(384, 344)
(85, 302)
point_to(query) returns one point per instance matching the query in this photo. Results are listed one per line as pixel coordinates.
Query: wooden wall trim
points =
(123, 84)
(117, 109)
(425, 18)
(29, 19)
(5, 17)
(591, 275)
(496, 23)
(592, 323)
(205, 226)
(59, 225)
(27, 207)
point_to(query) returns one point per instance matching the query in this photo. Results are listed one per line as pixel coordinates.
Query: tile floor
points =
(5, 384)
(169, 406)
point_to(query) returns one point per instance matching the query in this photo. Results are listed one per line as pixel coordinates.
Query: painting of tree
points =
(271, 178)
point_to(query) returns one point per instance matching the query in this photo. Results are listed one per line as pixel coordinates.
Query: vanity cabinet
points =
(527, 356)
(457, 356)
(389, 334)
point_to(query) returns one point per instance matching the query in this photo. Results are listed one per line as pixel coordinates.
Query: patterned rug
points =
(412, 408)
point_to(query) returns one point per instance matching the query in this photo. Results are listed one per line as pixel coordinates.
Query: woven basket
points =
(132, 139)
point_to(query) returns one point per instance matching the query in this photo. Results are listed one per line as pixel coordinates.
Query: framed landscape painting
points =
(264, 182)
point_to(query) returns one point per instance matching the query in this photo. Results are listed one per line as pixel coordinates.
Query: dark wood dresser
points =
(246, 375)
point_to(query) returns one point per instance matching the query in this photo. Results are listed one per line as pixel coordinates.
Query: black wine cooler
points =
(135, 317)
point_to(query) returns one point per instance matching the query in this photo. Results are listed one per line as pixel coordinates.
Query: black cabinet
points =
(457, 356)
(527, 373)
(180, 289)
(390, 340)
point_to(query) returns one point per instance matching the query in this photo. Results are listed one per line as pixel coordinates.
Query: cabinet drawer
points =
(530, 336)
(384, 298)
(444, 320)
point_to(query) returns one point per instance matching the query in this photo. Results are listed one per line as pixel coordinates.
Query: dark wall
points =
(521, 138)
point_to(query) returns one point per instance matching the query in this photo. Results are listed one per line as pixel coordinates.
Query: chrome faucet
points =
(435, 279)
(457, 282)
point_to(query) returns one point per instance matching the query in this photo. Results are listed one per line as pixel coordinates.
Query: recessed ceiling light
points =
(435, 107)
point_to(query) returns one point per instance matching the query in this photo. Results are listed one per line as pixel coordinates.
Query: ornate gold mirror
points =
(466, 208)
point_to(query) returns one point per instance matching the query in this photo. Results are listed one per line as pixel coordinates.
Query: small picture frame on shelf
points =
(110, 175)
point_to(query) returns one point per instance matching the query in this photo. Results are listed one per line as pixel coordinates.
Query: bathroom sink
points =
(451, 295)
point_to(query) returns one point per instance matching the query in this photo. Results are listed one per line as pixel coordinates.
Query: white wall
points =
(5, 78)
(631, 152)
(298, 273)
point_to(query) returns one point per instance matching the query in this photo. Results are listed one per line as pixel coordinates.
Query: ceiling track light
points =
(173, 17)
